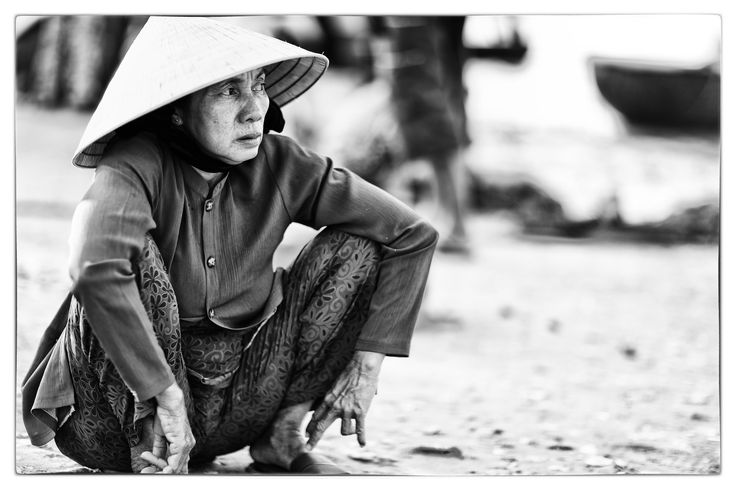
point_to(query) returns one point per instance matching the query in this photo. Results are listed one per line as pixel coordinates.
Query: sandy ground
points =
(533, 356)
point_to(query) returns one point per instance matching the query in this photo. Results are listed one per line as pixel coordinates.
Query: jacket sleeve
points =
(107, 235)
(319, 194)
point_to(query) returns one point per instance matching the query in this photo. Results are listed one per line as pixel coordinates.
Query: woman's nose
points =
(251, 110)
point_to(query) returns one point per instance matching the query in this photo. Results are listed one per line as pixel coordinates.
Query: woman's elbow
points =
(78, 263)
(80, 274)
(428, 232)
(91, 276)
(74, 272)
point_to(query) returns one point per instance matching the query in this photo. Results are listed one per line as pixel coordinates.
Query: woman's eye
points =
(230, 91)
(259, 87)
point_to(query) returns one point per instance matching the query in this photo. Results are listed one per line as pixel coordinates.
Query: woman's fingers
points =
(347, 400)
(360, 428)
(348, 427)
(325, 408)
(317, 416)
(319, 426)
(177, 438)
(148, 457)
(159, 445)
(179, 464)
(157, 455)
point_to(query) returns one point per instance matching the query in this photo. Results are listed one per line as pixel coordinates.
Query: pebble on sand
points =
(446, 452)
(598, 462)
(365, 456)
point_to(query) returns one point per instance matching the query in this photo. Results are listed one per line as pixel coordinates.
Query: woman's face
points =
(227, 118)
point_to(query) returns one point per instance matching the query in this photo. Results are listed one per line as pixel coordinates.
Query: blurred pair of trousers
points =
(427, 88)
(234, 382)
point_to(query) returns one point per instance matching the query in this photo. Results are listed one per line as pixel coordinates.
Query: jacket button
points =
(208, 204)
(210, 262)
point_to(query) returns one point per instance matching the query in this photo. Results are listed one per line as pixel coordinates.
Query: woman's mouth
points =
(250, 138)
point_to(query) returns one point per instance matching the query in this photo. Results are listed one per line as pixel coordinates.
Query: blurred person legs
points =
(451, 193)
(68, 60)
(428, 97)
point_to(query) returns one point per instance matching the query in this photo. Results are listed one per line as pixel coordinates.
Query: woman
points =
(181, 342)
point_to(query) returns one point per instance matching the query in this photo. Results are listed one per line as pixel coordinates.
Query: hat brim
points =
(175, 56)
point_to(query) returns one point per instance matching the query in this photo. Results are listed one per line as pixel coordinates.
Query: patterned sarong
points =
(234, 381)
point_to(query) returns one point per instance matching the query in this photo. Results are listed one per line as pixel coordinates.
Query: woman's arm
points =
(317, 193)
(107, 234)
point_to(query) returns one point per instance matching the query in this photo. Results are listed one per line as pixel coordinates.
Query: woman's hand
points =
(349, 398)
(173, 439)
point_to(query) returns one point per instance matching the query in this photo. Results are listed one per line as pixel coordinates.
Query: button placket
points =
(208, 251)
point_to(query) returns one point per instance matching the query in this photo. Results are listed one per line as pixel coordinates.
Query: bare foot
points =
(278, 448)
(283, 441)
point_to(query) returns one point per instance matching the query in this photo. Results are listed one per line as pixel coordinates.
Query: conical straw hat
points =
(175, 56)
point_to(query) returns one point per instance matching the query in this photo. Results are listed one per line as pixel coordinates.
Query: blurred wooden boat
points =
(513, 52)
(510, 47)
(660, 94)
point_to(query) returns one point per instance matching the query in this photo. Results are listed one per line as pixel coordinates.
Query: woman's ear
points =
(177, 118)
(176, 111)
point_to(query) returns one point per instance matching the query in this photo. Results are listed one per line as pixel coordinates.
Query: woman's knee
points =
(338, 255)
(333, 243)
(156, 290)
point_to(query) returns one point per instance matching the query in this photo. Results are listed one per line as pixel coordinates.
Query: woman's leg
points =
(107, 425)
(301, 350)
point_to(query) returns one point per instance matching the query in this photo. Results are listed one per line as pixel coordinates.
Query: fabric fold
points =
(47, 393)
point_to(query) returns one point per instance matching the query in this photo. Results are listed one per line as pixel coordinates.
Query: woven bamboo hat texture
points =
(175, 56)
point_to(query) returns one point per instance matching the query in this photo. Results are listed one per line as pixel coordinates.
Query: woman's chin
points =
(240, 156)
